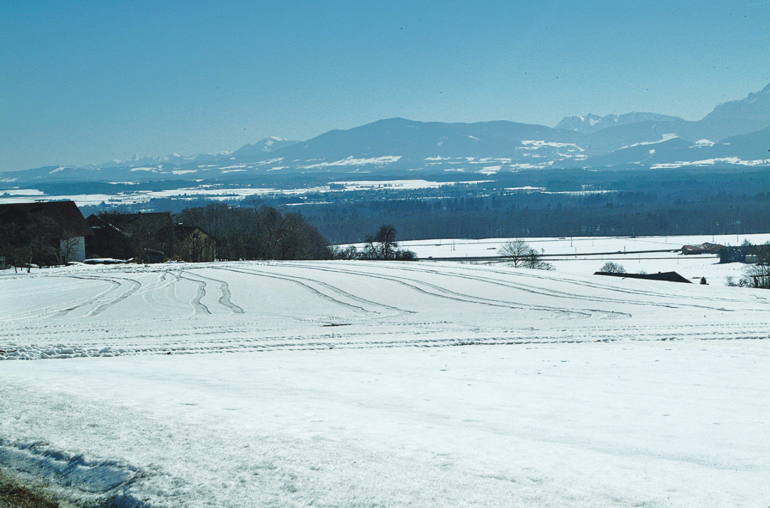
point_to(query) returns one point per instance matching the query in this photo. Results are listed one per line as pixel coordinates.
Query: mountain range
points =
(734, 134)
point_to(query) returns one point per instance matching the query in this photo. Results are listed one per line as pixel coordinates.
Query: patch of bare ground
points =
(14, 494)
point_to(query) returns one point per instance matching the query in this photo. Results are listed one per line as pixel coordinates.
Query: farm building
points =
(149, 237)
(43, 232)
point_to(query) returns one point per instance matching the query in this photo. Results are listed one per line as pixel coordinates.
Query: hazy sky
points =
(84, 82)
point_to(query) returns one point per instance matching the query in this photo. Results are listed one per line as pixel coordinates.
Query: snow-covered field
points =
(586, 255)
(383, 384)
(574, 245)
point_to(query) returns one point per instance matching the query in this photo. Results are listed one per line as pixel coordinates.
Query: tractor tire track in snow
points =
(372, 340)
(659, 290)
(574, 296)
(372, 327)
(448, 294)
(224, 294)
(52, 311)
(548, 292)
(160, 292)
(135, 285)
(353, 297)
(200, 292)
(345, 294)
(114, 286)
(304, 285)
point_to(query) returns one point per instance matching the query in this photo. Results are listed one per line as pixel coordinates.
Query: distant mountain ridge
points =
(738, 117)
(728, 119)
(263, 146)
(591, 123)
(734, 134)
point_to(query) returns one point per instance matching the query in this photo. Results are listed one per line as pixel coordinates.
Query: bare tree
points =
(610, 267)
(351, 252)
(38, 245)
(520, 254)
(383, 244)
(534, 262)
(516, 252)
(68, 249)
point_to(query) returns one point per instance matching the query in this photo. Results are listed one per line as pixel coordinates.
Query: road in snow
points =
(334, 384)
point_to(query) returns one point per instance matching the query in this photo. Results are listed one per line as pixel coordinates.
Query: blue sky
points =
(84, 82)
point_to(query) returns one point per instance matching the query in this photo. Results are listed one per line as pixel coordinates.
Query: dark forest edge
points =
(257, 232)
(554, 203)
(527, 204)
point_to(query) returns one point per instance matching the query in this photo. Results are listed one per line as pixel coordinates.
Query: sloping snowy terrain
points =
(382, 384)
(586, 255)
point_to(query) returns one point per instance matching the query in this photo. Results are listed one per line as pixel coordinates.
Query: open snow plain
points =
(586, 255)
(382, 384)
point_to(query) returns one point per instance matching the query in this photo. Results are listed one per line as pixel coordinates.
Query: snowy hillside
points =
(382, 384)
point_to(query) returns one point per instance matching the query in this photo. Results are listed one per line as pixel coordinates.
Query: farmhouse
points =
(704, 248)
(43, 232)
(108, 241)
(149, 237)
(146, 237)
(194, 244)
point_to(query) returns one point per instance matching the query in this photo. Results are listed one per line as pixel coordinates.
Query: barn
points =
(43, 232)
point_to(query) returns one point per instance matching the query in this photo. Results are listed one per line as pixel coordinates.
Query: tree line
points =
(381, 246)
(458, 218)
(257, 232)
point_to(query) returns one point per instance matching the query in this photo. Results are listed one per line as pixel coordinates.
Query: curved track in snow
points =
(239, 307)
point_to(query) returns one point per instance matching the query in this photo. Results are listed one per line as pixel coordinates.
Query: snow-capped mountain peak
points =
(592, 123)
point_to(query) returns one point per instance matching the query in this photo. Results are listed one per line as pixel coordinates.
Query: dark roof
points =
(94, 221)
(65, 214)
(138, 223)
(704, 248)
(667, 276)
(152, 219)
(185, 230)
